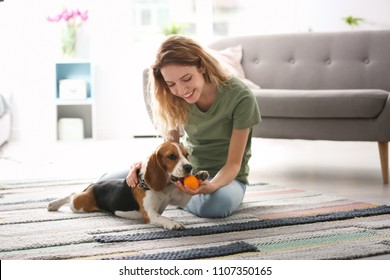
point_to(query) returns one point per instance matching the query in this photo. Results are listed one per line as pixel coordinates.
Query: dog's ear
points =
(155, 175)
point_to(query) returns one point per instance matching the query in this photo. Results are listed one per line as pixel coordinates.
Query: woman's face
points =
(186, 82)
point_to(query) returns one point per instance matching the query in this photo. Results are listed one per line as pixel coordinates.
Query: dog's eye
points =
(172, 156)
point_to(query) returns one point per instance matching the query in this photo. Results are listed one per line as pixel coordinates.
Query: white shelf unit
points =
(81, 108)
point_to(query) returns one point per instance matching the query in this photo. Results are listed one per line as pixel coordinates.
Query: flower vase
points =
(68, 41)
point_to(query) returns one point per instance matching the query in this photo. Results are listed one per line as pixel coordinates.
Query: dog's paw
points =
(53, 206)
(202, 175)
(58, 203)
(173, 225)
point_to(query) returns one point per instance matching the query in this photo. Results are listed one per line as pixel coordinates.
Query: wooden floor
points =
(346, 169)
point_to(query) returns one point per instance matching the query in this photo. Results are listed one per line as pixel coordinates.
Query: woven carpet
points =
(272, 223)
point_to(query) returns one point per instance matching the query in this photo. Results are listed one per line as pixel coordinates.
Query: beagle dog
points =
(156, 189)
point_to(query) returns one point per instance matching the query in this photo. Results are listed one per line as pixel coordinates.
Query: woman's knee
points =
(219, 204)
(217, 208)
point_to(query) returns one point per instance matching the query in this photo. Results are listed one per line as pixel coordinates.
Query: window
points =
(156, 17)
(203, 19)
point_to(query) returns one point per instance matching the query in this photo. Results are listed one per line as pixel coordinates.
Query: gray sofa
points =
(320, 86)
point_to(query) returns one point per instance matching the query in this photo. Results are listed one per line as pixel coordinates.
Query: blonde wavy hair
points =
(170, 112)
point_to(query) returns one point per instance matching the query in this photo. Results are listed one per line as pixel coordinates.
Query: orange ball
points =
(191, 181)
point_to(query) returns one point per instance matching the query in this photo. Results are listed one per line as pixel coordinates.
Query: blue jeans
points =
(219, 204)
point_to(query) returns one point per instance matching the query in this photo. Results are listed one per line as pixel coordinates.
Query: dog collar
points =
(142, 183)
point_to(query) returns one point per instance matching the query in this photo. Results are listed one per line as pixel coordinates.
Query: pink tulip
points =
(84, 15)
(55, 19)
(68, 16)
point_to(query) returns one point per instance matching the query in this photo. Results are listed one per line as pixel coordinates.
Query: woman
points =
(216, 113)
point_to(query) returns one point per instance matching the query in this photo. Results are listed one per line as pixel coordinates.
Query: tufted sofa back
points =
(338, 60)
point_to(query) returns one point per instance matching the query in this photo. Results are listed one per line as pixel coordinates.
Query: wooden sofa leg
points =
(384, 156)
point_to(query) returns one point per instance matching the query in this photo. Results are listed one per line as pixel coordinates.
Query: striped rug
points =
(272, 223)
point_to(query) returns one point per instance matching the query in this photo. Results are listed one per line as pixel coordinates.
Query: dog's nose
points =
(187, 168)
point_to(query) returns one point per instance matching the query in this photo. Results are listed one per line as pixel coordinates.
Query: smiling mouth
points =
(188, 95)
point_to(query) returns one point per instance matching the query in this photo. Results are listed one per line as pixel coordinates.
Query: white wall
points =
(30, 46)
(26, 69)
(118, 70)
(281, 16)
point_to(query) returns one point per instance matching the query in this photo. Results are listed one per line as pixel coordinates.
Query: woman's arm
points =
(231, 168)
(234, 160)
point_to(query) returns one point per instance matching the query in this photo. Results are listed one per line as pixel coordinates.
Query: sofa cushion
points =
(230, 60)
(321, 103)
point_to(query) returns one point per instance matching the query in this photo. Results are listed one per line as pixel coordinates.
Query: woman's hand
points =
(204, 188)
(132, 177)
